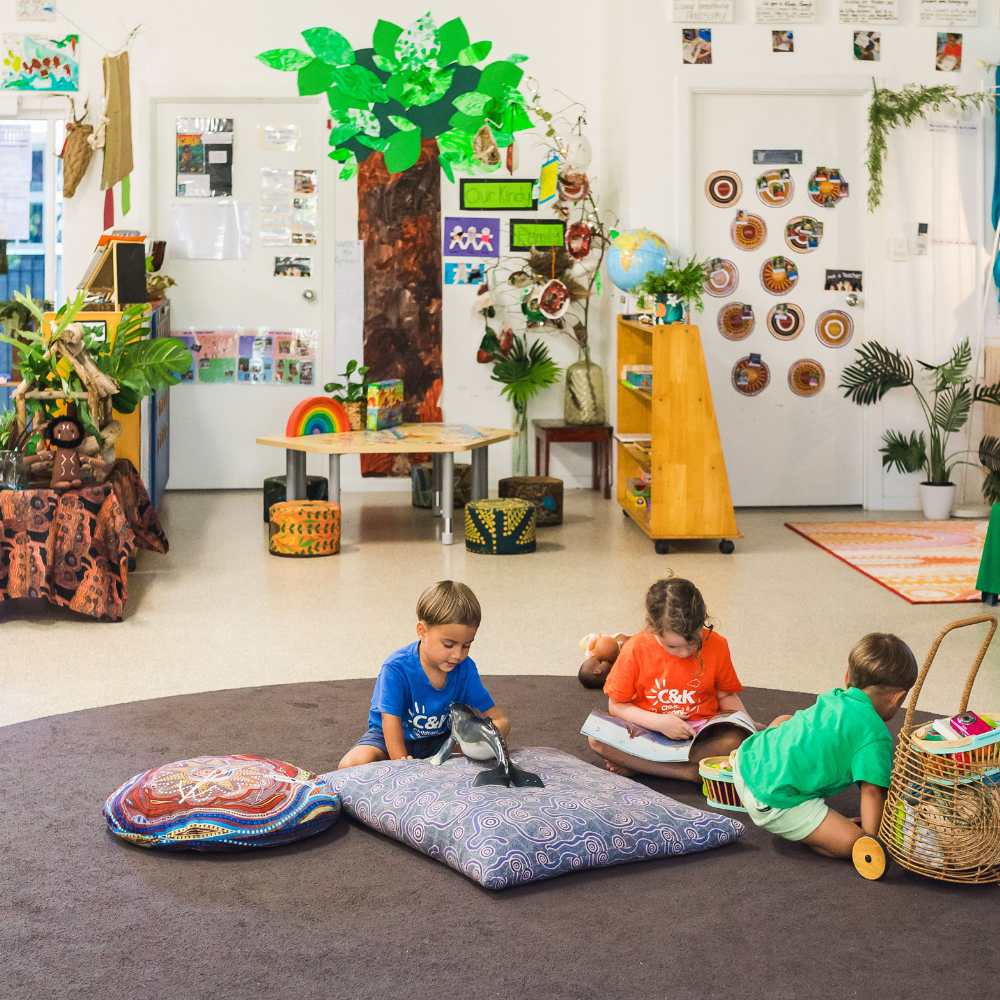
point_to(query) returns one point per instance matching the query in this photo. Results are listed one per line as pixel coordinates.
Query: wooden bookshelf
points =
(689, 496)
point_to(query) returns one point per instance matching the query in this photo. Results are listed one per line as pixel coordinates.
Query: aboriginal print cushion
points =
(221, 804)
(584, 817)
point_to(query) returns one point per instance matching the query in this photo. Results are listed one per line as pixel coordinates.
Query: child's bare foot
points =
(620, 769)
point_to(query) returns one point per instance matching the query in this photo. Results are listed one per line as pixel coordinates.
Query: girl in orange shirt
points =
(676, 672)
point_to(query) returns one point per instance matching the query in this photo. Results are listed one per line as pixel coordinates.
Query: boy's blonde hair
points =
(881, 659)
(449, 603)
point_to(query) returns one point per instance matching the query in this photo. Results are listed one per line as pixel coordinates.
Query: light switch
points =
(898, 250)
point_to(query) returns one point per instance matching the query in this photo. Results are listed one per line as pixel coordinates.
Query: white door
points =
(782, 447)
(214, 426)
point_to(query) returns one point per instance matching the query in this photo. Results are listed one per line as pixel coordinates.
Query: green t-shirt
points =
(818, 751)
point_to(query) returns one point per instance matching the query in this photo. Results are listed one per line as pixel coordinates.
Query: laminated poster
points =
(703, 11)
(289, 214)
(204, 157)
(868, 12)
(949, 13)
(280, 138)
(252, 356)
(785, 11)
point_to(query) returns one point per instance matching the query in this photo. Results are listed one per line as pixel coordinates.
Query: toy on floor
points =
(942, 813)
(602, 651)
(479, 739)
(717, 786)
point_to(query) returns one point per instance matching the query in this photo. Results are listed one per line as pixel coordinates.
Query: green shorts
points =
(795, 823)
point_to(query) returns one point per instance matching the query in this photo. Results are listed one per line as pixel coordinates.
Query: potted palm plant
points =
(675, 291)
(950, 391)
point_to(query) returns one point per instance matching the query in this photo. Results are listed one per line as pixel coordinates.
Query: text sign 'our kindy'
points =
(501, 195)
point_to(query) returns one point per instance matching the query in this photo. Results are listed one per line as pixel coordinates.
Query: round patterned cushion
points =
(221, 804)
(545, 492)
(500, 527)
(304, 528)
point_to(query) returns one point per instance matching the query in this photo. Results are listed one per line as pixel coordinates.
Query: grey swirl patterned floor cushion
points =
(584, 817)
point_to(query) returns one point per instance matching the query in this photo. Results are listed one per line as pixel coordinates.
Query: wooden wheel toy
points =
(870, 858)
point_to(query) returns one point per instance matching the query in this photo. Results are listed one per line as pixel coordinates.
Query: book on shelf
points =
(628, 438)
(641, 742)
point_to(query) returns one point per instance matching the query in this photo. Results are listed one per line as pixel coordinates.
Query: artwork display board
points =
(204, 157)
(248, 356)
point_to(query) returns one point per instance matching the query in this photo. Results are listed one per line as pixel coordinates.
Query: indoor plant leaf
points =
(902, 453)
(951, 408)
(874, 372)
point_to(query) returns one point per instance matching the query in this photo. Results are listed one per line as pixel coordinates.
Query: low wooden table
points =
(558, 430)
(440, 440)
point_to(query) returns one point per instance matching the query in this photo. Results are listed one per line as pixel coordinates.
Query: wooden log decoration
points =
(70, 346)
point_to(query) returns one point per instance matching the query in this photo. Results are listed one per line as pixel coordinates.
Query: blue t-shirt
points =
(403, 689)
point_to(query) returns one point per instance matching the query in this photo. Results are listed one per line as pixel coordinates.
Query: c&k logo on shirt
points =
(668, 700)
(426, 725)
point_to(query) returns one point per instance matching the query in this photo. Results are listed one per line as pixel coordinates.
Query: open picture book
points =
(641, 742)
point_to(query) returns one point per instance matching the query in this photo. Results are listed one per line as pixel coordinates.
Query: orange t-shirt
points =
(646, 675)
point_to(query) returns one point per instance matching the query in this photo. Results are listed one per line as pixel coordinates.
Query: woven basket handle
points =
(932, 652)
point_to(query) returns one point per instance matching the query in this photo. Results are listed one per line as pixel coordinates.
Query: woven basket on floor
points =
(717, 784)
(942, 815)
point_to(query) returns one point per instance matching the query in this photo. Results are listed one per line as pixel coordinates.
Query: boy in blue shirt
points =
(410, 715)
(784, 773)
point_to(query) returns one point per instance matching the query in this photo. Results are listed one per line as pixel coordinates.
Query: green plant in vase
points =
(675, 291)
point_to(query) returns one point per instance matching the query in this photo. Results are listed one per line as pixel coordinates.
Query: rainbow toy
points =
(318, 415)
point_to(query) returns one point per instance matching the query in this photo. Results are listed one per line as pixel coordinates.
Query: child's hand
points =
(675, 728)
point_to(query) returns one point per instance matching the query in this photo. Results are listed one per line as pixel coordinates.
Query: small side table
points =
(559, 431)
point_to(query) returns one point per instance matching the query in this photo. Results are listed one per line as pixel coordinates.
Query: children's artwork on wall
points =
(529, 234)
(868, 46)
(696, 46)
(469, 236)
(784, 11)
(293, 267)
(827, 188)
(463, 274)
(842, 281)
(548, 179)
(204, 157)
(721, 278)
(513, 194)
(750, 375)
(289, 208)
(36, 10)
(776, 187)
(782, 41)
(251, 356)
(778, 275)
(748, 231)
(724, 188)
(278, 138)
(31, 63)
(736, 320)
(216, 356)
(949, 52)
(806, 377)
(834, 328)
(803, 233)
(785, 321)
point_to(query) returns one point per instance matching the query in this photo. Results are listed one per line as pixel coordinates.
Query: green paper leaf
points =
(342, 133)
(474, 103)
(339, 100)
(385, 63)
(315, 77)
(356, 81)
(516, 57)
(376, 143)
(348, 172)
(468, 123)
(330, 46)
(384, 39)
(340, 154)
(454, 38)
(520, 121)
(284, 59)
(403, 124)
(474, 53)
(497, 76)
(446, 167)
(418, 45)
(403, 150)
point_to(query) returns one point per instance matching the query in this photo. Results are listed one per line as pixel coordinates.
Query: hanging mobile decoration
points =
(750, 375)
(806, 377)
(513, 158)
(775, 187)
(485, 148)
(785, 321)
(554, 299)
(736, 320)
(722, 278)
(778, 275)
(748, 231)
(723, 188)
(76, 152)
(803, 233)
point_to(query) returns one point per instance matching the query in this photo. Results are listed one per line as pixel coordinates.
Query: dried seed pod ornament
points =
(579, 237)
(554, 299)
(485, 148)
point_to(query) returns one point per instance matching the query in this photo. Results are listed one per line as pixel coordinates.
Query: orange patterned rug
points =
(924, 562)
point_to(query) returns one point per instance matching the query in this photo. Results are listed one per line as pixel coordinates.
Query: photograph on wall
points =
(949, 52)
(782, 41)
(842, 281)
(289, 210)
(463, 274)
(696, 46)
(867, 45)
(204, 157)
(31, 63)
(293, 267)
(36, 10)
(470, 236)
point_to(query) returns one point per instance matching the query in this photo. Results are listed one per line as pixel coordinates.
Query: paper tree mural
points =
(414, 104)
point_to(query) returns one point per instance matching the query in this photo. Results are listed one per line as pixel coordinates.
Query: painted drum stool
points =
(304, 528)
(275, 491)
(423, 484)
(545, 492)
(500, 527)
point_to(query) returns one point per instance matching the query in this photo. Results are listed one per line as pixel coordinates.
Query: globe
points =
(632, 254)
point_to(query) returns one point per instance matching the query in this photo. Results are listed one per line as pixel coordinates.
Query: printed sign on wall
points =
(471, 236)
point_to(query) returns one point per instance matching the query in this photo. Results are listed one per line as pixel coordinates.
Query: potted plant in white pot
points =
(946, 404)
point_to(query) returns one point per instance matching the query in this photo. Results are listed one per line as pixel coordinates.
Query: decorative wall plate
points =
(786, 321)
(834, 328)
(775, 187)
(724, 188)
(827, 187)
(748, 231)
(722, 278)
(736, 320)
(778, 275)
(748, 379)
(803, 233)
(806, 377)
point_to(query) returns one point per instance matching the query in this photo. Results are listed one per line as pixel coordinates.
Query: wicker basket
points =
(357, 414)
(942, 814)
(717, 783)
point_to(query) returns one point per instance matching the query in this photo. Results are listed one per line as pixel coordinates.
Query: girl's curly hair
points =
(676, 605)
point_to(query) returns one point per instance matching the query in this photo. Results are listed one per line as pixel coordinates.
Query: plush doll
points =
(66, 434)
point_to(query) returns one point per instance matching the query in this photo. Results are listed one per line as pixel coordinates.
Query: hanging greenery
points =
(890, 109)
(421, 82)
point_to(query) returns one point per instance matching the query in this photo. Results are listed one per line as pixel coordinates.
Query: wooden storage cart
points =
(689, 495)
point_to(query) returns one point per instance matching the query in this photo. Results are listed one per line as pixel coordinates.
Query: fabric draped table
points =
(72, 547)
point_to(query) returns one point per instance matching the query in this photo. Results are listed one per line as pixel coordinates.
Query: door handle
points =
(853, 299)
(308, 294)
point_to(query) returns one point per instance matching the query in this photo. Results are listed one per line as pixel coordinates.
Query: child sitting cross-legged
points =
(410, 715)
(676, 672)
(784, 773)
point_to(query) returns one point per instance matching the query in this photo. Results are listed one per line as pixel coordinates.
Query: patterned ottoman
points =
(304, 528)
(221, 804)
(275, 491)
(423, 484)
(500, 527)
(545, 492)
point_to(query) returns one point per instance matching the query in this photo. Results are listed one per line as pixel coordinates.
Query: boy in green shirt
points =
(784, 773)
